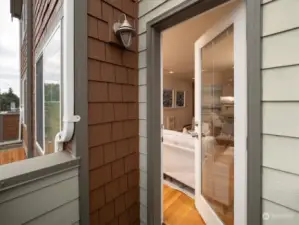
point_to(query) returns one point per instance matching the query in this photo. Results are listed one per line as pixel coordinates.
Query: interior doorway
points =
(203, 70)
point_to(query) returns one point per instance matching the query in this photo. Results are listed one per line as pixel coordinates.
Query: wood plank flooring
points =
(179, 209)
(11, 155)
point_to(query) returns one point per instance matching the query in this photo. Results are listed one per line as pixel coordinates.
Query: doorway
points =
(199, 152)
(228, 156)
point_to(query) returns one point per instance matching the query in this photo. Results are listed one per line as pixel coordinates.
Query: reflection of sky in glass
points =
(52, 59)
(52, 80)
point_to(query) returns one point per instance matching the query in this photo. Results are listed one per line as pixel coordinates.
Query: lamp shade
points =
(126, 38)
(124, 32)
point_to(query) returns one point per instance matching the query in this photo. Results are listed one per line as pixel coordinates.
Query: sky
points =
(9, 50)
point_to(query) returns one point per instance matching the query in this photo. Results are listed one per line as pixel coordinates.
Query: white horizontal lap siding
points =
(274, 214)
(145, 6)
(280, 15)
(67, 214)
(281, 153)
(281, 49)
(266, 1)
(162, 8)
(148, 10)
(31, 203)
(280, 96)
(281, 118)
(281, 188)
(281, 84)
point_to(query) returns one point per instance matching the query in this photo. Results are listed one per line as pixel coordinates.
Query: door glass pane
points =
(218, 122)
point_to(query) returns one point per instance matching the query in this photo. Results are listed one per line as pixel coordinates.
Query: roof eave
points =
(16, 8)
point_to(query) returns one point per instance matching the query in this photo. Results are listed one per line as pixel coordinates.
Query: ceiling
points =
(178, 44)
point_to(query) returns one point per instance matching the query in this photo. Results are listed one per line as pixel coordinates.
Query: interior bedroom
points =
(215, 86)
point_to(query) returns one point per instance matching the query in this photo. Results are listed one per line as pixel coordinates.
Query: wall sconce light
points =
(124, 32)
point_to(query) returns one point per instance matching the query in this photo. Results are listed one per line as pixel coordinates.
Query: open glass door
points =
(220, 121)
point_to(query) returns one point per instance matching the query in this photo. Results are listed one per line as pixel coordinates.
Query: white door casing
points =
(238, 19)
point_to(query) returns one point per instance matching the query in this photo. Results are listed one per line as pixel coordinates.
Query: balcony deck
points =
(12, 155)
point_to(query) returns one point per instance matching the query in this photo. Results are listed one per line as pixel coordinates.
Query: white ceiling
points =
(178, 44)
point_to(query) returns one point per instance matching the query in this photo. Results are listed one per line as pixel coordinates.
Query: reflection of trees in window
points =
(167, 98)
(52, 110)
(52, 92)
(180, 98)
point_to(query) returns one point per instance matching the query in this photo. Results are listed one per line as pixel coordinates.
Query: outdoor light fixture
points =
(124, 32)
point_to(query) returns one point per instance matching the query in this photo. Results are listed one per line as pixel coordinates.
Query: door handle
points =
(194, 134)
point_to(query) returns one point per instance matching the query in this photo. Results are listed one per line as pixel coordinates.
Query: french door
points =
(221, 121)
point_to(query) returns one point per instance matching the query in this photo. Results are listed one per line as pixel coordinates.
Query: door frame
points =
(174, 16)
(237, 19)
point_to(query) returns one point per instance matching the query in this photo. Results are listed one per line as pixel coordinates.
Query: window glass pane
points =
(25, 101)
(39, 102)
(52, 85)
(167, 98)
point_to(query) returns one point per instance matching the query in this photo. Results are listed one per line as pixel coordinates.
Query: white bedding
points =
(178, 155)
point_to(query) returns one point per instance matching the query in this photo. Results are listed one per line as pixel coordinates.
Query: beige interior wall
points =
(183, 116)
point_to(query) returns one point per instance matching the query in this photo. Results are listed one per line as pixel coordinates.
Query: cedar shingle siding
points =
(113, 116)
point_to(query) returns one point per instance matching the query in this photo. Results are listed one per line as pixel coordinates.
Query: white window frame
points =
(23, 97)
(38, 56)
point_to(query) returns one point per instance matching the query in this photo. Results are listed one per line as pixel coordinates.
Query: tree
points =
(6, 98)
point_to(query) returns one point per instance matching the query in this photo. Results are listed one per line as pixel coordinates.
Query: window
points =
(48, 93)
(167, 98)
(24, 99)
(180, 98)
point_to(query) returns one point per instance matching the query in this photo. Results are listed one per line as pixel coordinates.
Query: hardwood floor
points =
(179, 209)
(11, 155)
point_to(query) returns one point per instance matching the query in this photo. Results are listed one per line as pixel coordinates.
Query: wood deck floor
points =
(179, 209)
(11, 155)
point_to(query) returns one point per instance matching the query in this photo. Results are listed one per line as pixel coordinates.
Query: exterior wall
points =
(112, 117)
(46, 15)
(148, 10)
(44, 201)
(10, 127)
(183, 115)
(280, 70)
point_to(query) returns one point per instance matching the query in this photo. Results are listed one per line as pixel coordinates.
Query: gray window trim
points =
(80, 143)
(172, 17)
(16, 8)
(29, 73)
